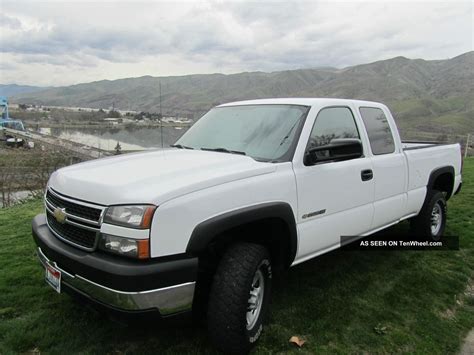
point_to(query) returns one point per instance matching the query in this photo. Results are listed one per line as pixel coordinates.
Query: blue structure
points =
(5, 120)
(4, 107)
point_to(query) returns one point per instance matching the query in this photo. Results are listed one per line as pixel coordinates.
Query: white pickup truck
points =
(251, 188)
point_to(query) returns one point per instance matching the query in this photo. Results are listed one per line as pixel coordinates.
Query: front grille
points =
(77, 235)
(82, 223)
(72, 208)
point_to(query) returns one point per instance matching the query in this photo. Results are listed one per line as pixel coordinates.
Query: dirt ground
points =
(468, 347)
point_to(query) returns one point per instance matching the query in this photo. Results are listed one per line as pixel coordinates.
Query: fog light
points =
(134, 248)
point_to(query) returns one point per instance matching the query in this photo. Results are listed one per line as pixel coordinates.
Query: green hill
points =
(429, 96)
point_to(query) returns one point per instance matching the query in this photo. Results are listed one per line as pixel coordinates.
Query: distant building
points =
(176, 120)
(112, 120)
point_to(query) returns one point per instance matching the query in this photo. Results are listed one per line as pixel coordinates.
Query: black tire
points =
(421, 225)
(229, 298)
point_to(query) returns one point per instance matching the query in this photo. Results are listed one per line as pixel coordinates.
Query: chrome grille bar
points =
(52, 207)
(69, 230)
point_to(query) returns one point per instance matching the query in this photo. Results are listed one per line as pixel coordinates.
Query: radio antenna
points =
(161, 121)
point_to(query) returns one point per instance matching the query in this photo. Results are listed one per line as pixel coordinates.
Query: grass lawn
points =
(344, 301)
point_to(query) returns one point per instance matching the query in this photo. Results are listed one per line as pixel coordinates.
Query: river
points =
(130, 138)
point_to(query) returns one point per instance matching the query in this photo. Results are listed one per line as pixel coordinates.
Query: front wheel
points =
(431, 221)
(240, 297)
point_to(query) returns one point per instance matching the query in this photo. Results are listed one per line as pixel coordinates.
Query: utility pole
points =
(467, 146)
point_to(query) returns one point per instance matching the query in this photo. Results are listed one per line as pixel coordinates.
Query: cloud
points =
(59, 43)
(9, 22)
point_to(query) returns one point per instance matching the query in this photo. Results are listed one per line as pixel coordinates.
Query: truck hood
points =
(153, 176)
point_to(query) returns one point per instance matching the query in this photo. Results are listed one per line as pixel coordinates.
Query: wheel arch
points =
(442, 179)
(223, 229)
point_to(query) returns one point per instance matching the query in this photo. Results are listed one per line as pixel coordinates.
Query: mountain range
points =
(425, 95)
(14, 89)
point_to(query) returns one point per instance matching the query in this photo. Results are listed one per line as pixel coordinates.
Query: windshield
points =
(263, 132)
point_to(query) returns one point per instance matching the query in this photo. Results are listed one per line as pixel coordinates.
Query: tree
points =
(114, 114)
(118, 149)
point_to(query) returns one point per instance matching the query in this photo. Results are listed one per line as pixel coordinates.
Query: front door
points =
(334, 197)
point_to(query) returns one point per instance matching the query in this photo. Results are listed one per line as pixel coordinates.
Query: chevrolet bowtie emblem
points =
(60, 215)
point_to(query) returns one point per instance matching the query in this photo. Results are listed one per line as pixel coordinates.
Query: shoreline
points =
(34, 125)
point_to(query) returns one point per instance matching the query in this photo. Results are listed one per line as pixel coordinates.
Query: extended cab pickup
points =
(251, 188)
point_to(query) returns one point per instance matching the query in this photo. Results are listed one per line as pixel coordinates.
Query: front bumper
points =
(119, 283)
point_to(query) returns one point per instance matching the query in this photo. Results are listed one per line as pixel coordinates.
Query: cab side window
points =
(378, 130)
(332, 123)
(333, 133)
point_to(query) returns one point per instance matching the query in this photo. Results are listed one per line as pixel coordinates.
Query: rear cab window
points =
(378, 130)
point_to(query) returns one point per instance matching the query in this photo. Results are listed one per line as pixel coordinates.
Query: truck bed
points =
(410, 145)
(425, 157)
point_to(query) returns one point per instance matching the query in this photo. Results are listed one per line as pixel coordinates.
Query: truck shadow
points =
(320, 293)
(337, 298)
(313, 295)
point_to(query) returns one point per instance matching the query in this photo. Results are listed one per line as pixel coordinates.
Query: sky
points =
(59, 43)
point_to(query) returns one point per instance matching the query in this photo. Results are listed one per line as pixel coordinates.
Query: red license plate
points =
(53, 278)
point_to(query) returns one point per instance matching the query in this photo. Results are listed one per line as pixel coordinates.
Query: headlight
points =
(135, 216)
(134, 248)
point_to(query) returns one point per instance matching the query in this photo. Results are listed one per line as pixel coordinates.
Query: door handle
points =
(366, 175)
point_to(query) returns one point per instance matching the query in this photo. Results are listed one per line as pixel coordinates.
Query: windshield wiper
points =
(180, 146)
(288, 135)
(224, 150)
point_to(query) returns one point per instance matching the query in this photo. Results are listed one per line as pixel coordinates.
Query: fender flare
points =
(438, 172)
(211, 229)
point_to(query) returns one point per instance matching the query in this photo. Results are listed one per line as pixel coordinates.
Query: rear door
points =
(334, 198)
(388, 164)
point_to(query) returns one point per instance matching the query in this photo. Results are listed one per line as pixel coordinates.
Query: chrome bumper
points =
(167, 300)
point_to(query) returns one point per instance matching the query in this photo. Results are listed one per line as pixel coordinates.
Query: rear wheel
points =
(431, 221)
(239, 298)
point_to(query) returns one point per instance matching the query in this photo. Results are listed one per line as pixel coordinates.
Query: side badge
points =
(312, 214)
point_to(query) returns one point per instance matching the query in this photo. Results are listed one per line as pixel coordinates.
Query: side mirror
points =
(337, 150)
